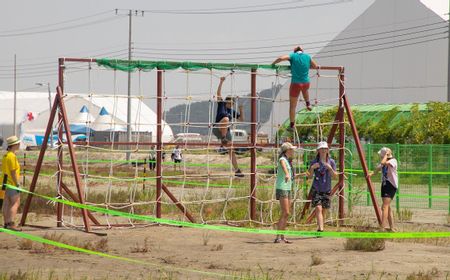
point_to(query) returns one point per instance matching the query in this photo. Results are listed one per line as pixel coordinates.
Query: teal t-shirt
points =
(300, 64)
(281, 184)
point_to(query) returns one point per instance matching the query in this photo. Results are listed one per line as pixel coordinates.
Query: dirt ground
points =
(250, 256)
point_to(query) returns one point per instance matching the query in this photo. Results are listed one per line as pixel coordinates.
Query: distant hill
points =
(200, 113)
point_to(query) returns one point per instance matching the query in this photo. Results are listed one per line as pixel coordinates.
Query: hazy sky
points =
(25, 26)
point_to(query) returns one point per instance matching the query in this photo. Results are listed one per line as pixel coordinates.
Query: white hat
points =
(322, 145)
(12, 140)
(384, 151)
(287, 146)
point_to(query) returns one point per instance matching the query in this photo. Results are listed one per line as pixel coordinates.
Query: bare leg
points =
(5, 210)
(319, 217)
(305, 94)
(385, 211)
(391, 218)
(285, 212)
(15, 203)
(292, 108)
(233, 159)
(223, 126)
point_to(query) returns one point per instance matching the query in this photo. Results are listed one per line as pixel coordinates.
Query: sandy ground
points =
(225, 253)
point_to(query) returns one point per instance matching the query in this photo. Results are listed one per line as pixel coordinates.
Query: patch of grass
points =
(206, 236)
(145, 248)
(99, 245)
(315, 259)
(421, 275)
(218, 247)
(404, 215)
(365, 244)
(25, 244)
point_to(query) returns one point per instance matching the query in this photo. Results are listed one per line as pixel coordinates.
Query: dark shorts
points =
(388, 190)
(321, 198)
(177, 160)
(279, 194)
(218, 134)
(296, 88)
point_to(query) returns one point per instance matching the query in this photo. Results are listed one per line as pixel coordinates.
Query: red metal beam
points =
(253, 147)
(62, 109)
(362, 158)
(158, 142)
(341, 150)
(178, 204)
(38, 167)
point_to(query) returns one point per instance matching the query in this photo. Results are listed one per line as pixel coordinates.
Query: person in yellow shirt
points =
(11, 174)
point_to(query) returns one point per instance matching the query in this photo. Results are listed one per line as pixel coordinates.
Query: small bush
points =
(315, 259)
(365, 244)
(141, 249)
(429, 275)
(405, 215)
(218, 247)
(206, 236)
(25, 244)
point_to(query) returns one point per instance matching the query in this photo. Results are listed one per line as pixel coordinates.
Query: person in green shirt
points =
(11, 174)
(284, 183)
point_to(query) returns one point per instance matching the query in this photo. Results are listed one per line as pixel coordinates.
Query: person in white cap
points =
(323, 168)
(284, 183)
(11, 175)
(389, 185)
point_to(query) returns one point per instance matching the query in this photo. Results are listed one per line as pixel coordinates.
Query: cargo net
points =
(122, 176)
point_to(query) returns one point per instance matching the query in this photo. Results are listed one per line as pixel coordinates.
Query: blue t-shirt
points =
(223, 111)
(300, 64)
(322, 176)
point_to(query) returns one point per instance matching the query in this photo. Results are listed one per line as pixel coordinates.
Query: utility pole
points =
(130, 16)
(15, 95)
(130, 44)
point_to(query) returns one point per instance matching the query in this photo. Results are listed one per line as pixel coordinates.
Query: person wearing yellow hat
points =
(323, 168)
(11, 174)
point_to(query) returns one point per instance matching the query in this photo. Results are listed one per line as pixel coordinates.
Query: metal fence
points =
(423, 171)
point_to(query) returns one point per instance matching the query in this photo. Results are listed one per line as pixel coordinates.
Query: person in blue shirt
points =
(224, 116)
(300, 62)
(323, 168)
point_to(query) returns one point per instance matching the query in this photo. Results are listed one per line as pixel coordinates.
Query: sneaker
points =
(319, 230)
(11, 226)
(308, 107)
(277, 240)
(286, 241)
(238, 173)
(224, 140)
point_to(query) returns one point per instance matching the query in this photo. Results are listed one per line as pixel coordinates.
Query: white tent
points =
(143, 118)
(106, 122)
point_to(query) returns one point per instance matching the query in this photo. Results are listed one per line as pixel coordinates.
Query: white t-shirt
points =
(176, 154)
(392, 175)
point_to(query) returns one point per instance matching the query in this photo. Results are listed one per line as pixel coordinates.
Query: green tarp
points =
(143, 65)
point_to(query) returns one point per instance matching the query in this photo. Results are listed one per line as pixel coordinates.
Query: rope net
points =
(122, 176)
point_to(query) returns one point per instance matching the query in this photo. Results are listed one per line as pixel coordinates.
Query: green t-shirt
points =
(281, 184)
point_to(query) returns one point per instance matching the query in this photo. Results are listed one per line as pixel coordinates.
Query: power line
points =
(252, 59)
(56, 23)
(330, 51)
(242, 11)
(61, 28)
(292, 44)
(316, 47)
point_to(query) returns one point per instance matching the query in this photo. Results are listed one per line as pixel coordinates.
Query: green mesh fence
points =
(143, 65)
(424, 175)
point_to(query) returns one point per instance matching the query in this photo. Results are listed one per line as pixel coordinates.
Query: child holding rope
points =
(324, 169)
(300, 62)
(225, 115)
(284, 183)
